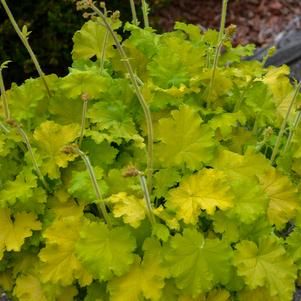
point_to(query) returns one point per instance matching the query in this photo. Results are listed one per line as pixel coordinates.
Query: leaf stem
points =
(101, 205)
(140, 97)
(103, 51)
(147, 198)
(85, 99)
(4, 97)
(30, 150)
(217, 52)
(283, 125)
(134, 14)
(145, 9)
(26, 44)
(4, 128)
(292, 131)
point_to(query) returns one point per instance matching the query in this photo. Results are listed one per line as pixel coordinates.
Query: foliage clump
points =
(79, 219)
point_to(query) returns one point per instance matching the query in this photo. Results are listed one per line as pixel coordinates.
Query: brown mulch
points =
(258, 21)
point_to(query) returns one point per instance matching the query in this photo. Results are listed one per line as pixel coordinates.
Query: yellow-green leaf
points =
(205, 190)
(52, 138)
(129, 207)
(14, 231)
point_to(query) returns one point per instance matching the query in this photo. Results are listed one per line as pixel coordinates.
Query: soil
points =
(258, 21)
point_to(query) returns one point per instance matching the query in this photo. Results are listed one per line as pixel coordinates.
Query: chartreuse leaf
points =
(97, 292)
(6, 281)
(184, 140)
(225, 122)
(60, 264)
(235, 165)
(81, 187)
(26, 101)
(15, 228)
(283, 199)
(78, 82)
(170, 292)
(60, 104)
(105, 252)
(102, 154)
(184, 62)
(250, 201)
(266, 264)
(28, 288)
(259, 104)
(149, 274)
(205, 190)
(90, 40)
(214, 295)
(259, 294)
(114, 123)
(196, 263)
(145, 40)
(164, 179)
(52, 138)
(21, 189)
(294, 246)
(193, 31)
(131, 208)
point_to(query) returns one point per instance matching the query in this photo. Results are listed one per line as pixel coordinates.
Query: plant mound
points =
(220, 217)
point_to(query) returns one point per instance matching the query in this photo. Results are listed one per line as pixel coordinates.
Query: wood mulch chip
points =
(258, 21)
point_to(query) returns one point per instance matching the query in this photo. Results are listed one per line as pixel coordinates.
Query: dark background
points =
(54, 22)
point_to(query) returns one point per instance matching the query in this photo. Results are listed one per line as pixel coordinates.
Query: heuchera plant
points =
(162, 167)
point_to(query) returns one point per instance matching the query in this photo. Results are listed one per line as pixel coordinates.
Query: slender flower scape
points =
(92, 203)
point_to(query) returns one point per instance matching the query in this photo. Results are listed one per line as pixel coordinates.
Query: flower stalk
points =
(283, 125)
(143, 103)
(132, 171)
(145, 10)
(134, 14)
(24, 39)
(85, 99)
(3, 92)
(25, 138)
(293, 131)
(101, 205)
(219, 46)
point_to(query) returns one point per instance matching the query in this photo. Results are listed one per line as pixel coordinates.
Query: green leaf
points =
(115, 246)
(196, 263)
(184, 140)
(266, 264)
